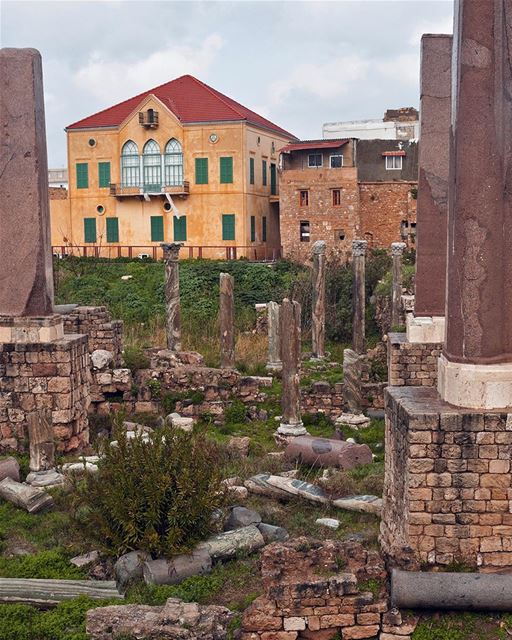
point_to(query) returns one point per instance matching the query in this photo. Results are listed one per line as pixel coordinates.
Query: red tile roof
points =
(190, 100)
(313, 144)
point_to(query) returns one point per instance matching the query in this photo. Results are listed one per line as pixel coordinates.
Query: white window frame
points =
(395, 159)
(315, 166)
(336, 155)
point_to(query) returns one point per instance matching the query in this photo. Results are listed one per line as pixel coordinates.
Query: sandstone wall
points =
(383, 207)
(412, 364)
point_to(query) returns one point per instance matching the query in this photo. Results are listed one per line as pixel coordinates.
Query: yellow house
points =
(181, 162)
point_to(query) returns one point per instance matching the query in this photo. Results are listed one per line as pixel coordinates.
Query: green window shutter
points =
(253, 229)
(157, 228)
(201, 170)
(112, 230)
(273, 179)
(226, 170)
(103, 174)
(89, 229)
(264, 229)
(82, 175)
(251, 170)
(228, 226)
(180, 228)
(264, 172)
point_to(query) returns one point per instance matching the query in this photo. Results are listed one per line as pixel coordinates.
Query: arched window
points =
(130, 167)
(173, 163)
(152, 166)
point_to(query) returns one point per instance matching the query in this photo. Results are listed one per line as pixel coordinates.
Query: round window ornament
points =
(167, 206)
(213, 138)
(92, 142)
(100, 209)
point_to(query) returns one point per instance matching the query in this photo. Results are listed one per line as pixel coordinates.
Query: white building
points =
(397, 124)
(58, 178)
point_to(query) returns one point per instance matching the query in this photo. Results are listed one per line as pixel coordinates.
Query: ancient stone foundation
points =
(447, 495)
(412, 364)
(361, 389)
(97, 323)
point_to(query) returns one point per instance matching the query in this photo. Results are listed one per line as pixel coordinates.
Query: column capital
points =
(318, 248)
(359, 247)
(171, 250)
(397, 248)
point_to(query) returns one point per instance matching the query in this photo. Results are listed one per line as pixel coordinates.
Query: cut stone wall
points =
(97, 323)
(448, 486)
(360, 391)
(412, 364)
(322, 397)
(47, 375)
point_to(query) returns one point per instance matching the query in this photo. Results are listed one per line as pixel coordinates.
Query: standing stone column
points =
(397, 249)
(358, 296)
(274, 338)
(172, 295)
(291, 422)
(227, 321)
(41, 440)
(318, 308)
(475, 369)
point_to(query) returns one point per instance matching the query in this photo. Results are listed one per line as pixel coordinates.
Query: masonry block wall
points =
(360, 391)
(448, 488)
(412, 364)
(97, 324)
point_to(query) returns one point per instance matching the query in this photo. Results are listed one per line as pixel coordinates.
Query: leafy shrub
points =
(236, 413)
(157, 495)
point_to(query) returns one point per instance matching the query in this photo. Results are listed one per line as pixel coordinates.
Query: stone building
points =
(180, 162)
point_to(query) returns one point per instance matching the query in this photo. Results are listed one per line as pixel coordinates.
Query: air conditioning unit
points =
(142, 256)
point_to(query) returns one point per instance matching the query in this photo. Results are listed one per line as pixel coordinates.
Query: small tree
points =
(157, 495)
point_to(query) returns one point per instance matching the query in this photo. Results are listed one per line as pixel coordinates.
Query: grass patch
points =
(45, 564)
(463, 626)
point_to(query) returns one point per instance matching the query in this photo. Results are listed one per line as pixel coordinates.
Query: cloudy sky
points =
(298, 63)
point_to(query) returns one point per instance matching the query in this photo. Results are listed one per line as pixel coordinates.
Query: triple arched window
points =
(152, 170)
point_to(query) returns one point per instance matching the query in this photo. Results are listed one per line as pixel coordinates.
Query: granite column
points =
(318, 306)
(358, 296)
(227, 321)
(172, 295)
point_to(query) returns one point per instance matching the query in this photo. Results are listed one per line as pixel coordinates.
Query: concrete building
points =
(397, 124)
(58, 178)
(180, 162)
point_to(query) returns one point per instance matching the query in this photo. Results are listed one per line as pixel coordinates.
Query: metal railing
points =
(179, 189)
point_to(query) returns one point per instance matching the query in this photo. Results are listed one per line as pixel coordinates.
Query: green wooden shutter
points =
(89, 229)
(264, 229)
(273, 179)
(82, 175)
(112, 230)
(253, 229)
(251, 170)
(228, 226)
(103, 174)
(264, 172)
(157, 228)
(201, 170)
(226, 170)
(180, 228)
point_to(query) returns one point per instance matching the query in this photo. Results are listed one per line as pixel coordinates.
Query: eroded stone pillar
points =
(318, 307)
(172, 295)
(475, 369)
(428, 323)
(274, 338)
(41, 440)
(358, 296)
(227, 321)
(397, 250)
(291, 421)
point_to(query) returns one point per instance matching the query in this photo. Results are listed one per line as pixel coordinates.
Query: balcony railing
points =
(119, 190)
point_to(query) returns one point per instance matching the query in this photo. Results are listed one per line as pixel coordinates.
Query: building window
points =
(180, 228)
(273, 179)
(226, 170)
(304, 230)
(152, 167)
(201, 170)
(157, 228)
(82, 175)
(251, 170)
(130, 165)
(228, 226)
(339, 235)
(264, 173)
(304, 198)
(89, 229)
(103, 174)
(173, 163)
(336, 161)
(112, 230)
(336, 197)
(264, 229)
(393, 162)
(315, 160)
(253, 228)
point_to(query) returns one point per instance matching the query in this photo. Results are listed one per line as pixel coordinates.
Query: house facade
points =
(179, 163)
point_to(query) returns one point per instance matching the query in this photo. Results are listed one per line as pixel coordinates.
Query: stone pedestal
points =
(274, 363)
(227, 321)
(448, 483)
(172, 295)
(31, 329)
(397, 249)
(318, 306)
(425, 329)
(358, 299)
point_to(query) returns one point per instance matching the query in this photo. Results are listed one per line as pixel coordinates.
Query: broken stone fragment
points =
(32, 499)
(271, 533)
(365, 504)
(324, 452)
(266, 484)
(227, 545)
(241, 517)
(128, 568)
(80, 467)
(176, 569)
(237, 492)
(240, 445)
(353, 420)
(101, 359)
(10, 468)
(86, 559)
(331, 523)
(50, 478)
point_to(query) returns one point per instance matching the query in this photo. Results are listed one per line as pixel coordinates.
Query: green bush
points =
(157, 495)
(236, 413)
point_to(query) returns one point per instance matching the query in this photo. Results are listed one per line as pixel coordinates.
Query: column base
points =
(425, 329)
(31, 329)
(297, 429)
(275, 367)
(476, 386)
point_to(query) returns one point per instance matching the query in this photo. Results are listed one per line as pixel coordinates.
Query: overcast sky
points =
(298, 63)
